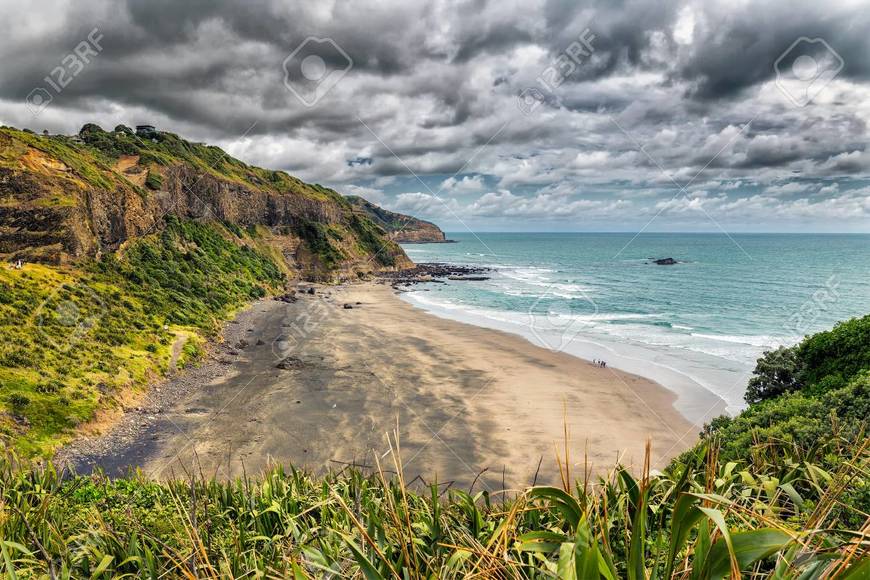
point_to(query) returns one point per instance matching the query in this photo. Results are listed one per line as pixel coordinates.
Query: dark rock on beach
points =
(665, 262)
(433, 272)
(291, 363)
(289, 297)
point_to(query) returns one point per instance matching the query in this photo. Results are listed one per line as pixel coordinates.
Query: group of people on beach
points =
(600, 363)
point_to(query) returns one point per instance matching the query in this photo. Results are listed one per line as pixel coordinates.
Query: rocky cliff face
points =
(399, 227)
(65, 198)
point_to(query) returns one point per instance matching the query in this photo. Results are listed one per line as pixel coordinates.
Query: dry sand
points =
(471, 404)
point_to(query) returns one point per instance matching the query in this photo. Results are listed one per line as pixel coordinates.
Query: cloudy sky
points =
(486, 114)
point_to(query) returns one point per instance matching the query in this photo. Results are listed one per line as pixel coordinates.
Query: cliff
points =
(399, 227)
(66, 198)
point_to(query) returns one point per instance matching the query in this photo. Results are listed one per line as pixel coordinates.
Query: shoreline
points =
(695, 400)
(471, 403)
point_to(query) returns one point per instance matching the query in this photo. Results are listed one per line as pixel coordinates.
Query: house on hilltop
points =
(146, 130)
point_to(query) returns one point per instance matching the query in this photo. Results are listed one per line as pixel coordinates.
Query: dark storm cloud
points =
(747, 45)
(666, 93)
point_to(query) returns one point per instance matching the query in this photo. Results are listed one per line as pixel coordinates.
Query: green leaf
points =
(10, 569)
(586, 556)
(701, 550)
(298, 572)
(368, 569)
(684, 517)
(561, 500)
(542, 541)
(747, 548)
(858, 571)
(458, 557)
(719, 520)
(103, 566)
(636, 551)
(566, 569)
(792, 494)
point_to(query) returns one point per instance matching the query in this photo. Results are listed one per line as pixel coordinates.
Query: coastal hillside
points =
(70, 197)
(400, 227)
(122, 254)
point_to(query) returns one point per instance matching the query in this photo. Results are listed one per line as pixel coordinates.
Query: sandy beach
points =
(470, 404)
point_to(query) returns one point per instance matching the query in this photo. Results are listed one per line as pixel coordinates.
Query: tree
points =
(776, 372)
(90, 128)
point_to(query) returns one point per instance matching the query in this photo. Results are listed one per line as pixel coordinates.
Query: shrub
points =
(776, 372)
(797, 420)
(841, 352)
(154, 180)
(18, 402)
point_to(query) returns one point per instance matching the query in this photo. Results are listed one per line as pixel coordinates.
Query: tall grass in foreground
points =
(702, 519)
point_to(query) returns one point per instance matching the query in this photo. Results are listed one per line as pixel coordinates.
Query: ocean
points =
(696, 327)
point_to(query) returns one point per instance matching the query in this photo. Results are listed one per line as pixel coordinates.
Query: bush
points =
(154, 180)
(840, 353)
(795, 420)
(776, 372)
(17, 402)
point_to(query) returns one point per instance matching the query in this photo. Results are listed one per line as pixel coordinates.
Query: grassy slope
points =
(94, 159)
(73, 340)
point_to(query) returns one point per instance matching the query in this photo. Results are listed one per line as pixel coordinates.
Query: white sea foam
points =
(763, 340)
(702, 324)
(624, 349)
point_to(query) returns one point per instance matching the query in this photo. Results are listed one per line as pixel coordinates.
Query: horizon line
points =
(818, 233)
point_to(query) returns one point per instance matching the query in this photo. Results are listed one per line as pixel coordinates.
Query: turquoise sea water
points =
(696, 327)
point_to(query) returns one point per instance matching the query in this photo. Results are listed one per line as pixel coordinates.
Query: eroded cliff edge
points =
(64, 198)
(399, 227)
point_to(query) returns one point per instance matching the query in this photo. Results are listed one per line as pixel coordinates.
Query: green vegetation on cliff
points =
(134, 245)
(69, 197)
(74, 340)
(400, 227)
(805, 395)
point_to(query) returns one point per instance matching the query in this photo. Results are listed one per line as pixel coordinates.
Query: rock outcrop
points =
(66, 198)
(399, 227)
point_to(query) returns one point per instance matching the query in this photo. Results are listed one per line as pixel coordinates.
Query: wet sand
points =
(470, 404)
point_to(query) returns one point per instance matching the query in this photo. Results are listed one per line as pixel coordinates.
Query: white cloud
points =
(466, 184)
(787, 188)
